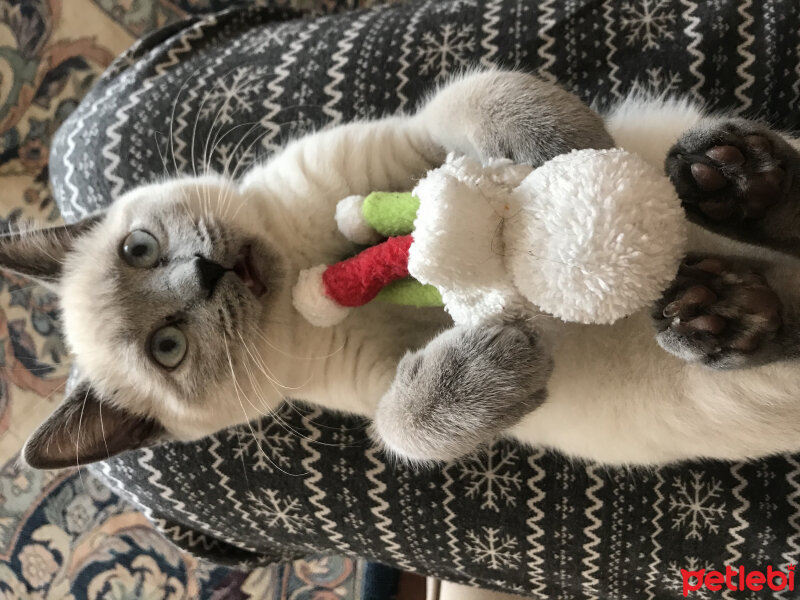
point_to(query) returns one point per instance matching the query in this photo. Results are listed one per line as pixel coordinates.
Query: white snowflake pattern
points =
(647, 21)
(673, 578)
(493, 549)
(266, 39)
(237, 91)
(659, 81)
(494, 479)
(234, 157)
(695, 505)
(280, 510)
(440, 54)
(454, 7)
(267, 445)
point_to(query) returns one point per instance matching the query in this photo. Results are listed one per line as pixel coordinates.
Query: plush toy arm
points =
(367, 220)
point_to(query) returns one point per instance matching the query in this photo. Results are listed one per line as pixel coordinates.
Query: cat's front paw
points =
(461, 391)
(732, 173)
(718, 313)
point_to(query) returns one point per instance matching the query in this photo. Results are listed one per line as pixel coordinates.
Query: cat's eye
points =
(168, 346)
(140, 249)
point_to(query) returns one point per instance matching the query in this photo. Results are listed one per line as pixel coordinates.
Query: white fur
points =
(615, 396)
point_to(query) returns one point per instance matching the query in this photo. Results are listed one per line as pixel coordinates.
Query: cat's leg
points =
(728, 313)
(462, 390)
(740, 179)
(489, 114)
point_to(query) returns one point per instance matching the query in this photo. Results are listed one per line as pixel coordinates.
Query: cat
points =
(176, 301)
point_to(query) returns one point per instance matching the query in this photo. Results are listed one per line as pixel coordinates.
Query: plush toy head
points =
(598, 235)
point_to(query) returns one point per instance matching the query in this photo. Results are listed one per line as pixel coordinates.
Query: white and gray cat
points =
(177, 301)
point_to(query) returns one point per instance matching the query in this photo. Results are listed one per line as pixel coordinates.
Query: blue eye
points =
(140, 249)
(168, 346)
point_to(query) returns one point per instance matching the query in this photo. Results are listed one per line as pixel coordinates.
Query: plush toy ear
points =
(39, 254)
(85, 429)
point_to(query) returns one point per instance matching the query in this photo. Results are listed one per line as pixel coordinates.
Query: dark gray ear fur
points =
(85, 429)
(39, 254)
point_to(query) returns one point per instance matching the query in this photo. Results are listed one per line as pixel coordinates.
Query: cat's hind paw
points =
(717, 313)
(732, 173)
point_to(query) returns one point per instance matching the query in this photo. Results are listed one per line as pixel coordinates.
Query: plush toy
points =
(591, 236)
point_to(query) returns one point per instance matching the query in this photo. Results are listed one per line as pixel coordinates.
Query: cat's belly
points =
(616, 397)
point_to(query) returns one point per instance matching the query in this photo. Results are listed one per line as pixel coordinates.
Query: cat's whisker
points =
(103, 430)
(258, 361)
(172, 117)
(225, 202)
(274, 412)
(160, 154)
(78, 440)
(236, 388)
(266, 340)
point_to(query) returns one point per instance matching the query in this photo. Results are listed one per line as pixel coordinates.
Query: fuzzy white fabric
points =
(310, 300)
(591, 236)
(597, 235)
(351, 222)
(458, 246)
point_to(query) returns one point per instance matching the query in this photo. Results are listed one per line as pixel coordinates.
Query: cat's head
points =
(161, 297)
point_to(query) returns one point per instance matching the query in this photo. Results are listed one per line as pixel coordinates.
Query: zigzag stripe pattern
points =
(405, 53)
(230, 492)
(74, 190)
(546, 23)
(610, 30)
(384, 522)
(283, 70)
(748, 58)
(792, 554)
(694, 47)
(652, 576)
(450, 521)
(590, 581)
(188, 537)
(490, 31)
(339, 58)
(535, 560)
(314, 476)
(735, 532)
(110, 151)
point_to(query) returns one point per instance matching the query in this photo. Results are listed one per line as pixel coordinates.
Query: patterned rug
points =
(63, 535)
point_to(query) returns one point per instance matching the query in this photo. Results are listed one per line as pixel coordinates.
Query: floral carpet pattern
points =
(63, 535)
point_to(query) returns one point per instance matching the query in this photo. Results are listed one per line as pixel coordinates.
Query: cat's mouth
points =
(246, 270)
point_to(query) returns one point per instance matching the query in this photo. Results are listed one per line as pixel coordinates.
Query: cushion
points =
(511, 518)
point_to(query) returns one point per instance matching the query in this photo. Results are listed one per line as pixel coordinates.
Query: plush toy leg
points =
(410, 292)
(356, 281)
(323, 294)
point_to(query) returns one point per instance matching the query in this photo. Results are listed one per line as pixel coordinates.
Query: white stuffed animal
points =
(591, 236)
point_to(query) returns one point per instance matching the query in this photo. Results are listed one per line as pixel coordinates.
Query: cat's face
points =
(161, 298)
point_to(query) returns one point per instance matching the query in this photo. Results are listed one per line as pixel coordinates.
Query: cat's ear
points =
(39, 254)
(85, 429)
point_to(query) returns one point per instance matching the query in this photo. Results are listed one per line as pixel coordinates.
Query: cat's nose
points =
(209, 273)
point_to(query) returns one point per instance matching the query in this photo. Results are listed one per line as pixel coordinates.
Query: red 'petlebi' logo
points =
(738, 580)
